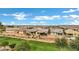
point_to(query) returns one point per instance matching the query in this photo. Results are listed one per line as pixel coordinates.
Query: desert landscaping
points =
(39, 38)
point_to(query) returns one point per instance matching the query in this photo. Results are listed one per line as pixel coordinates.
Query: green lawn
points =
(35, 45)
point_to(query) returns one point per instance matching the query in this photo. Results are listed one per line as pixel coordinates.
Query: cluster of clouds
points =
(71, 10)
(11, 23)
(72, 16)
(18, 16)
(38, 23)
(23, 16)
(46, 17)
(74, 22)
(31, 23)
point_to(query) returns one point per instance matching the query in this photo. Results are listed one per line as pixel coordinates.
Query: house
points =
(57, 31)
(11, 31)
(14, 31)
(42, 31)
(70, 32)
(31, 33)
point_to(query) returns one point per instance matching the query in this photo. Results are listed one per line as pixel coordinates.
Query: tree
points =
(12, 46)
(61, 43)
(2, 28)
(49, 31)
(23, 47)
(74, 44)
(5, 43)
(1, 25)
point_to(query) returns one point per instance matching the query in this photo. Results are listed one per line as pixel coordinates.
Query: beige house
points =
(41, 33)
(14, 31)
(57, 31)
(71, 32)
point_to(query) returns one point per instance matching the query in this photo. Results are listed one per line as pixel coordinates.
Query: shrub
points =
(75, 44)
(61, 42)
(12, 45)
(4, 43)
(23, 47)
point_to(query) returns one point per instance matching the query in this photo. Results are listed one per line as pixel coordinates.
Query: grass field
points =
(35, 45)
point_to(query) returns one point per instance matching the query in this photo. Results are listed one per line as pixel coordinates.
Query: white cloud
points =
(4, 23)
(73, 17)
(38, 23)
(10, 23)
(65, 16)
(75, 22)
(5, 14)
(69, 11)
(18, 16)
(46, 17)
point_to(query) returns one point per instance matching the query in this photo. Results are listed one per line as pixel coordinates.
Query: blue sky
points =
(39, 16)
